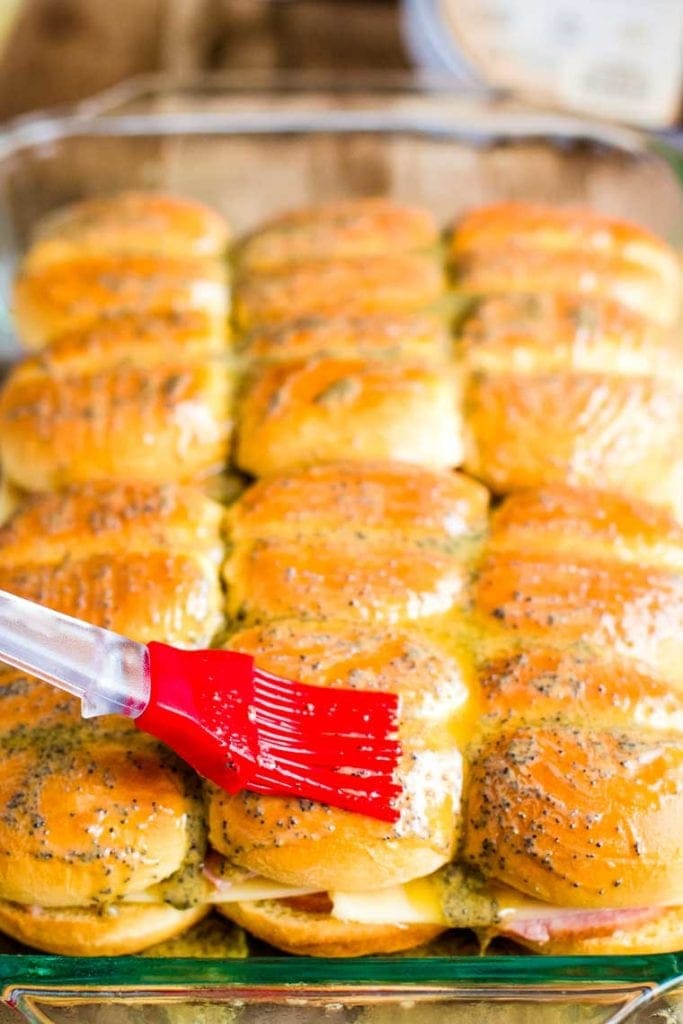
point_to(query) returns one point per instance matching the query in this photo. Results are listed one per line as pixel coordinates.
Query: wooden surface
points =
(59, 51)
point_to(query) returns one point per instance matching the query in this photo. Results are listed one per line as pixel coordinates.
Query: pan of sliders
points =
(383, 386)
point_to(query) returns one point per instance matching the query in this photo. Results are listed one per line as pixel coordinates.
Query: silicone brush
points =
(237, 725)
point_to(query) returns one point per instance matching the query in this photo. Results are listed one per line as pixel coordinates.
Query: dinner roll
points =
(579, 815)
(380, 542)
(326, 409)
(396, 283)
(422, 337)
(526, 430)
(129, 222)
(90, 815)
(144, 338)
(543, 333)
(304, 843)
(389, 498)
(628, 607)
(50, 300)
(337, 231)
(558, 229)
(104, 518)
(147, 596)
(167, 421)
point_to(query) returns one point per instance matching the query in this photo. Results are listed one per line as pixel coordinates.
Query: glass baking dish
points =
(250, 147)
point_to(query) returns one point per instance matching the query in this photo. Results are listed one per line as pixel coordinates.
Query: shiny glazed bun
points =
(556, 229)
(143, 338)
(526, 430)
(375, 541)
(384, 497)
(418, 337)
(304, 843)
(98, 518)
(545, 332)
(130, 222)
(327, 409)
(155, 423)
(150, 589)
(579, 815)
(336, 231)
(535, 586)
(396, 283)
(50, 300)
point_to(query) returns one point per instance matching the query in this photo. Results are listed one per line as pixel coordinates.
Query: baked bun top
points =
(50, 300)
(158, 422)
(386, 497)
(543, 333)
(527, 430)
(395, 283)
(628, 607)
(144, 338)
(149, 589)
(420, 337)
(335, 231)
(380, 542)
(90, 811)
(130, 222)
(327, 409)
(309, 844)
(556, 229)
(579, 815)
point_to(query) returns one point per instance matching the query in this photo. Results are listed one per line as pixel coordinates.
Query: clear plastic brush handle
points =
(108, 672)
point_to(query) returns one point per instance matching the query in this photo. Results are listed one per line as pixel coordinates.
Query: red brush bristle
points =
(244, 728)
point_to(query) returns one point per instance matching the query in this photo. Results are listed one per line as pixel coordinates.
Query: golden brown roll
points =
(90, 816)
(543, 333)
(376, 542)
(300, 842)
(421, 337)
(168, 421)
(511, 269)
(600, 594)
(371, 580)
(588, 523)
(554, 683)
(143, 338)
(303, 926)
(59, 297)
(530, 429)
(557, 229)
(129, 222)
(326, 409)
(386, 497)
(628, 610)
(337, 231)
(103, 518)
(147, 596)
(396, 283)
(579, 816)
(134, 559)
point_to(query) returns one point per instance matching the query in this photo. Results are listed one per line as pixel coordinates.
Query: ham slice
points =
(578, 923)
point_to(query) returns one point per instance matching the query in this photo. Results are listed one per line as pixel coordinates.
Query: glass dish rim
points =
(97, 115)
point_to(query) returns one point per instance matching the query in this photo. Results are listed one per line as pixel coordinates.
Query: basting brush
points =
(237, 725)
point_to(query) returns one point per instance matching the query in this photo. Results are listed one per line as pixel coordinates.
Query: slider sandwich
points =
(95, 816)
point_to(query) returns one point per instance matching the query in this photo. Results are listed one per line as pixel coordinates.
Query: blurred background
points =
(617, 59)
(56, 51)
